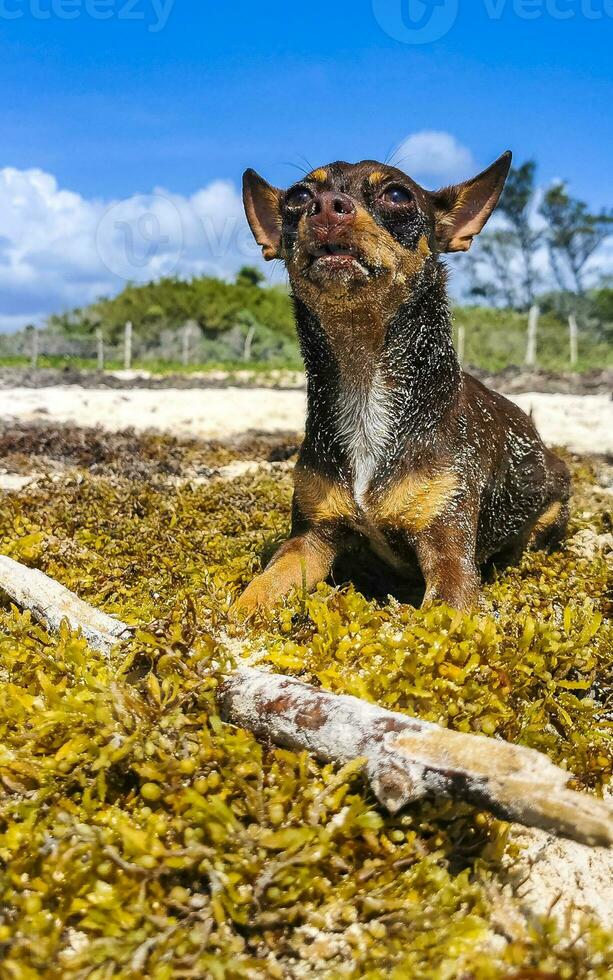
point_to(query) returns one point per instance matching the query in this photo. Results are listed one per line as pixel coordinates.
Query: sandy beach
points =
(582, 423)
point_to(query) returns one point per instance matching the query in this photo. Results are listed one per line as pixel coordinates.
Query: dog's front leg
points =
(446, 555)
(302, 561)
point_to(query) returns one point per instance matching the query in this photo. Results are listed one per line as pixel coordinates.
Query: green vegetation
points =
(496, 338)
(140, 836)
(156, 365)
(213, 304)
(229, 321)
(518, 263)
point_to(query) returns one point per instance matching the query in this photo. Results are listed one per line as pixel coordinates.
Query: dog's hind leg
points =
(550, 526)
(549, 529)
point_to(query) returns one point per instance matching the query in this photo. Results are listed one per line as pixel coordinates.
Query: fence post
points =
(248, 343)
(100, 349)
(573, 331)
(33, 348)
(461, 342)
(186, 337)
(531, 346)
(127, 346)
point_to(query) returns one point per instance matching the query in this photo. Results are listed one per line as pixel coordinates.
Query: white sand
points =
(560, 878)
(208, 413)
(582, 423)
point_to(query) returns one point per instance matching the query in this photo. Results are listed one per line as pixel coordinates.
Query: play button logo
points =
(416, 21)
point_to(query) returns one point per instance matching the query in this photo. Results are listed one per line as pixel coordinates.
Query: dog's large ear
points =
(461, 211)
(263, 209)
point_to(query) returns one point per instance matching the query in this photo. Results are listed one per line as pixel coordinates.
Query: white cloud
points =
(436, 156)
(59, 249)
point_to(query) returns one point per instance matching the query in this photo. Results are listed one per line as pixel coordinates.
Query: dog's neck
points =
(377, 384)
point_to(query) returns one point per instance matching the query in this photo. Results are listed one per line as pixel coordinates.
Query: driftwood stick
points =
(405, 758)
(50, 603)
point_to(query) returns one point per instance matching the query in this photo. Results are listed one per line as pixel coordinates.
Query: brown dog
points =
(401, 446)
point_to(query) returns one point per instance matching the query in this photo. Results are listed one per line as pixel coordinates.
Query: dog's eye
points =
(298, 198)
(397, 195)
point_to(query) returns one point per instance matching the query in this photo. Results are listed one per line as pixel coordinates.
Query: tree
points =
(602, 304)
(503, 267)
(516, 204)
(248, 275)
(573, 235)
(491, 271)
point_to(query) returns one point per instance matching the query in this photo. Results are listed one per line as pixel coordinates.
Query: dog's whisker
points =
(299, 167)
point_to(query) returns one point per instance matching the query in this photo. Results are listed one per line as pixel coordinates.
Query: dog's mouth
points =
(334, 258)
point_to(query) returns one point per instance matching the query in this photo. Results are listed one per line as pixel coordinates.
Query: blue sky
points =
(184, 96)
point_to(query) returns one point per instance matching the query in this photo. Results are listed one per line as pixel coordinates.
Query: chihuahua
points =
(401, 446)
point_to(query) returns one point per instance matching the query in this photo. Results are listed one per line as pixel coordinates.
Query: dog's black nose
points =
(330, 208)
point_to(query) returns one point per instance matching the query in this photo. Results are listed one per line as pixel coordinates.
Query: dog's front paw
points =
(253, 601)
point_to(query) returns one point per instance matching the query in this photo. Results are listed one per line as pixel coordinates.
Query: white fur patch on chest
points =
(365, 426)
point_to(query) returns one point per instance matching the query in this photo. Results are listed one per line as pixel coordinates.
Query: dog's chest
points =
(409, 504)
(365, 427)
(366, 430)
(373, 494)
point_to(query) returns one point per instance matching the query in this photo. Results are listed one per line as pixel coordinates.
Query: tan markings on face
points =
(320, 175)
(376, 177)
(416, 501)
(320, 499)
(393, 270)
(383, 252)
(354, 308)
